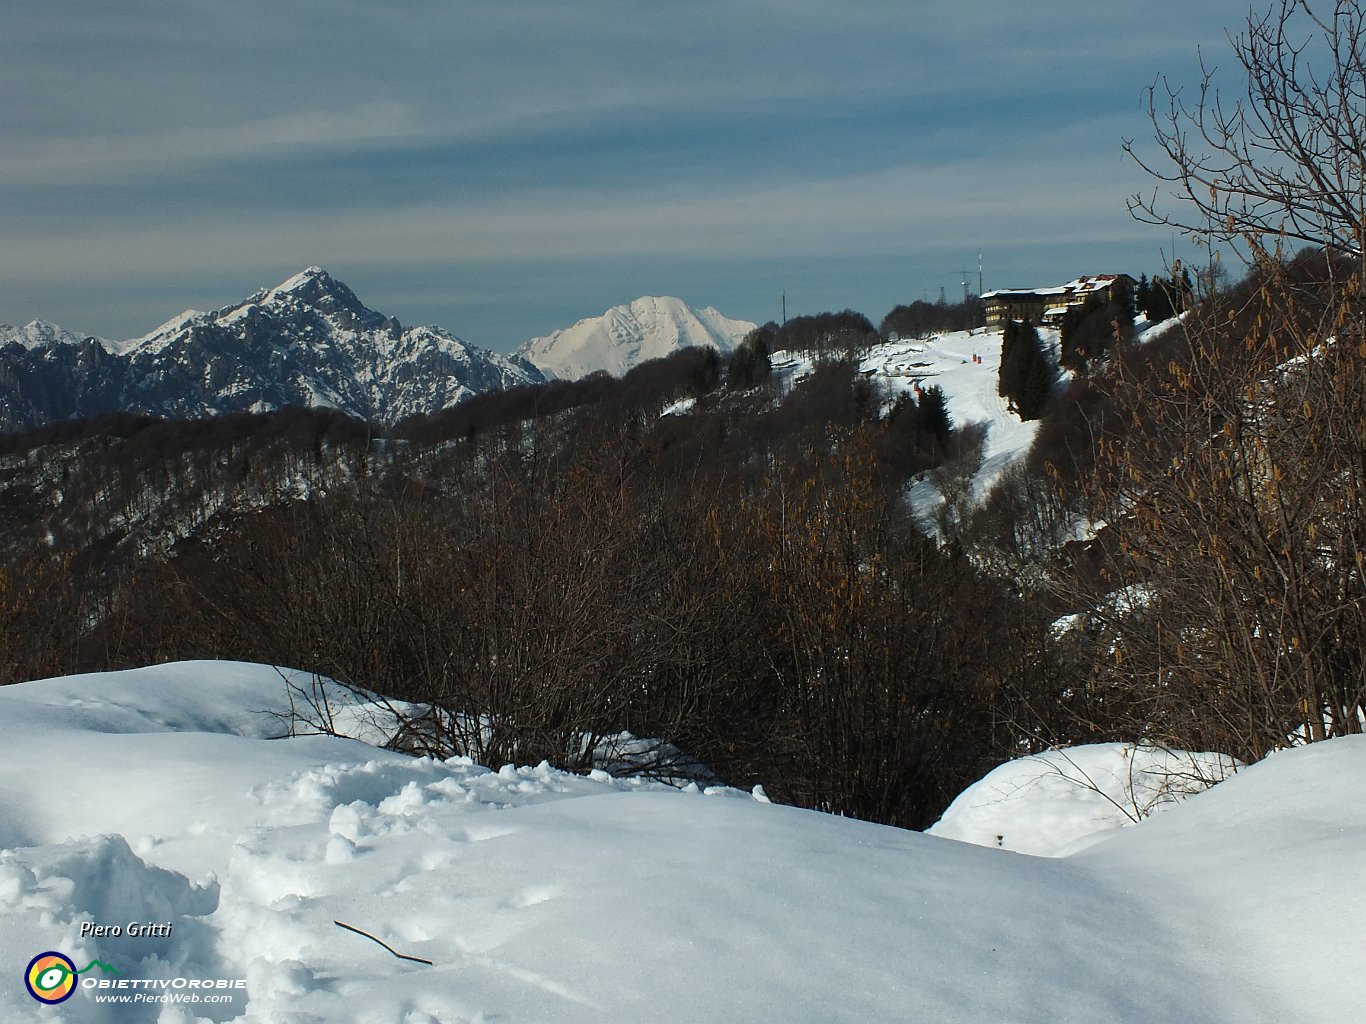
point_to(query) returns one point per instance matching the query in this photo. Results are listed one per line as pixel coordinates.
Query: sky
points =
(504, 168)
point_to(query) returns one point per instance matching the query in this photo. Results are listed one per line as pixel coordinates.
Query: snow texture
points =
(173, 794)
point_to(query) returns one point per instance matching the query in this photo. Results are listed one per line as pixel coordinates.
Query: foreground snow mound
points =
(539, 896)
(1266, 873)
(1056, 802)
(52, 897)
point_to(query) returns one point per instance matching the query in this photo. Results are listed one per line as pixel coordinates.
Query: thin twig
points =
(391, 949)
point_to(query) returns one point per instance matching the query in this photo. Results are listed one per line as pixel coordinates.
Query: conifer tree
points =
(750, 362)
(1026, 375)
(1005, 379)
(1071, 353)
(1036, 378)
(1160, 304)
(934, 413)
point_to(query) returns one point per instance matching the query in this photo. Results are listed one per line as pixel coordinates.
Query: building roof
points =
(1078, 286)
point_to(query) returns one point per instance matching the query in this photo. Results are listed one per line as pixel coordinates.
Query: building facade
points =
(1047, 306)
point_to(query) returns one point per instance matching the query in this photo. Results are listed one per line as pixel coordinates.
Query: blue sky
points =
(505, 167)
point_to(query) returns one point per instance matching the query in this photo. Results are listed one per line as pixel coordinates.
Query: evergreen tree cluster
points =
(1027, 374)
(750, 363)
(1088, 331)
(1164, 297)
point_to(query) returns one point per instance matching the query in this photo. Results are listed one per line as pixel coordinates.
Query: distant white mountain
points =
(628, 335)
(41, 334)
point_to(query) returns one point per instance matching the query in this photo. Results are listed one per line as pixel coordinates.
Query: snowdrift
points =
(171, 796)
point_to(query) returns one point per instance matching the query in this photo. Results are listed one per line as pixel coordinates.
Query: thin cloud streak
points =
(193, 143)
(1050, 201)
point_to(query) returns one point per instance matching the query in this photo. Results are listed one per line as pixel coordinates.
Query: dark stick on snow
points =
(391, 949)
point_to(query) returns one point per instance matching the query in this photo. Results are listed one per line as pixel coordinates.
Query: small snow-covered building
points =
(1047, 306)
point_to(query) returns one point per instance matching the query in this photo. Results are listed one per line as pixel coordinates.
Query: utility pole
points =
(784, 306)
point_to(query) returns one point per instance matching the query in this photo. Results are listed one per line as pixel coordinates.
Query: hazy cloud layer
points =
(504, 167)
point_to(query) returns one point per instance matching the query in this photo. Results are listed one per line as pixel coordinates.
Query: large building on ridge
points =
(1047, 306)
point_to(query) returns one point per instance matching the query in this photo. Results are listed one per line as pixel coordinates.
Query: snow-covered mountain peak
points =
(304, 279)
(308, 341)
(647, 328)
(43, 334)
(317, 288)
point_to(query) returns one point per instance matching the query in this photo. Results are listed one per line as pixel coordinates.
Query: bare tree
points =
(1285, 157)
(1235, 498)
(1234, 493)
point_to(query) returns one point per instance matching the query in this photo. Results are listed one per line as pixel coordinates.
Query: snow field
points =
(160, 795)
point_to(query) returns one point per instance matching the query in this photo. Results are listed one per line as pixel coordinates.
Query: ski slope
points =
(966, 366)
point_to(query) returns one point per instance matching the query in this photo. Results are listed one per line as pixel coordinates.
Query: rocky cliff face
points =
(307, 342)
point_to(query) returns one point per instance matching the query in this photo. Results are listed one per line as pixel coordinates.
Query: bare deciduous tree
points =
(1234, 554)
(1285, 157)
(1234, 492)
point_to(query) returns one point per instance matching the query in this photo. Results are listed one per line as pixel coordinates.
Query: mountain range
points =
(307, 342)
(311, 342)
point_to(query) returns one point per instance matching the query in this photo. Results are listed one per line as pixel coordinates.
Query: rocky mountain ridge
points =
(306, 342)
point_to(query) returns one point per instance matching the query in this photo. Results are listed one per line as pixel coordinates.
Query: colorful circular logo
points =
(51, 977)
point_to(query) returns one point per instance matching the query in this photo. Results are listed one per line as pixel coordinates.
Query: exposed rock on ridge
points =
(308, 342)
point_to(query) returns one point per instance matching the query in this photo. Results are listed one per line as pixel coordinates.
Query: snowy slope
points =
(966, 365)
(159, 796)
(625, 336)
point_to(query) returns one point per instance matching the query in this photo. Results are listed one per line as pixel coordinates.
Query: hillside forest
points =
(722, 558)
